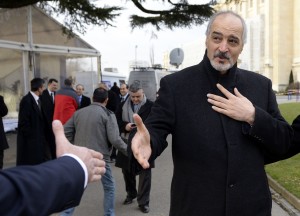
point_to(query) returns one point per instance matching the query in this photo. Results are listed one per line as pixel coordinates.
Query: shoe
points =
(127, 201)
(144, 208)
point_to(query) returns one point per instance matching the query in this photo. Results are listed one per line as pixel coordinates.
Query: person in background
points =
(84, 101)
(3, 140)
(96, 127)
(66, 102)
(115, 88)
(221, 129)
(31, 141)
(136, 103)
(123, 96)
(64, 179)
(47, 99)
(113, 100)
(123, 92)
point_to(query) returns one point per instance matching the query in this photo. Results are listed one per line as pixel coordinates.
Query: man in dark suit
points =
(222, 124)
(63, 179)
(3, 140)
(31, 140)
(83, 100)
(123, 97)
(47, 99)
(136, 103)
(123, 92)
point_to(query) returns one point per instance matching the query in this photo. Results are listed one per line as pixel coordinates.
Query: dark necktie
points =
(122, 99)
(52, 96)
(39, 104)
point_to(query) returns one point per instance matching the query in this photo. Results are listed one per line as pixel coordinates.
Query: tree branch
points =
(18, 4)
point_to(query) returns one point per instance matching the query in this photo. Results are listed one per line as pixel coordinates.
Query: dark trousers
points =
(143, 193)
(1, 158)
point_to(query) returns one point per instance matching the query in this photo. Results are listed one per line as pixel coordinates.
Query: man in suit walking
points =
(3, 140)
(31, 141)
(123, 97)
(47, 99)
(84, 101)
(136, 103)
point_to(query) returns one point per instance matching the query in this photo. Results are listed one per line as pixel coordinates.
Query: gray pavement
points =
(91, 203)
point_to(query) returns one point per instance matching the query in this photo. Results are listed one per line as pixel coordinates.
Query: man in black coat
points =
(31, 141)
(136, 103)
(115, 88)
(113, 98)
(123, 97)
(47, 99)
(3, 140)
(221, 129)
(84, 101)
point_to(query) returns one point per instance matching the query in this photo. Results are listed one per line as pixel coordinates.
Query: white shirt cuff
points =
(82, 165)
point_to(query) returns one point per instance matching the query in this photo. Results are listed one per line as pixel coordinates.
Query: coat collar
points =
(228, 80)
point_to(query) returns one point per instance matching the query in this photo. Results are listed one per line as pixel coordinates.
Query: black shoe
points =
(144, 208)
(128, 200)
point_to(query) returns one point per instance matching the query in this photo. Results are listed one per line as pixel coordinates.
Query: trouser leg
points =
(130, 183)
(108, 184)
(143, 196)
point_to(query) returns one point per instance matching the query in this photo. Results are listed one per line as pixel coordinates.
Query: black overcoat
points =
(48, 111)
(122, 160)
(31, 144)
(218, 161)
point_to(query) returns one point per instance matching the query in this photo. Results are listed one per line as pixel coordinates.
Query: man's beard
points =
(222, 66)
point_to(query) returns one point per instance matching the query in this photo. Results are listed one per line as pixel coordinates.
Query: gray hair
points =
(135, 86)
(213, 17)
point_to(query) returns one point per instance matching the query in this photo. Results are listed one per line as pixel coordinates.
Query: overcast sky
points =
(119, 45)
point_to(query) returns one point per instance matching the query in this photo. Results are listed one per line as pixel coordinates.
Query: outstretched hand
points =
(92, 159)
(235, 105)
(140, 143)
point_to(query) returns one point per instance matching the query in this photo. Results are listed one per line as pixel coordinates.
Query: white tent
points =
(32, 45)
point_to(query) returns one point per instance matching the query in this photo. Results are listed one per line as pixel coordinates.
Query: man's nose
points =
(223, 46)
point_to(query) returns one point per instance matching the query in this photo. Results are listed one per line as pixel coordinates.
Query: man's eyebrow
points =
(217, 33)
(234, 37)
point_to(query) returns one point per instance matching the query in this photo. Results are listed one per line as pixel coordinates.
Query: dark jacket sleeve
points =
(295, 144)
(42, 189)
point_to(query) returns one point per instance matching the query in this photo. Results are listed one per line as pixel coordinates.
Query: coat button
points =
(231, 185)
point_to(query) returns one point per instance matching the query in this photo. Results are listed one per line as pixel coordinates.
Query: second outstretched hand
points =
(92, 159)
(140, 144)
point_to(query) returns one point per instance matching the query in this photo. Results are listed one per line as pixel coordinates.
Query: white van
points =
(110, 77)
(150, 79)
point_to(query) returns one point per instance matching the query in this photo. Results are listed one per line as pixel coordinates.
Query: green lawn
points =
(287, 172)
